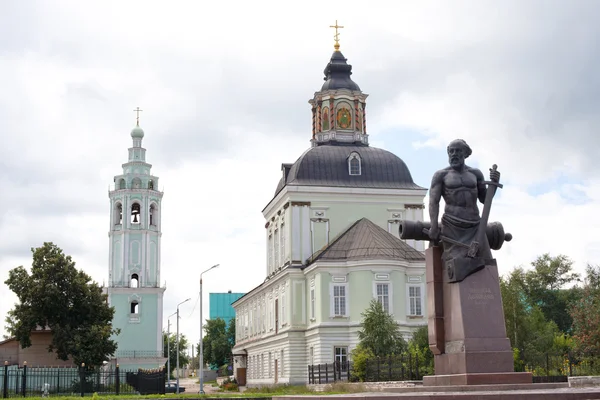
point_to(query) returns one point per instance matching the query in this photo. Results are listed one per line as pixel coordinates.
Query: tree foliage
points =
(218, 341)
(170, 348)
(545, 287)
(58, 296)
(586, 313)
(380, 333)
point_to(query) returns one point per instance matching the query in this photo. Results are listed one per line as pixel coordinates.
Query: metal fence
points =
(557, 367)
(24, 381)
(404, 367)
(545, 367)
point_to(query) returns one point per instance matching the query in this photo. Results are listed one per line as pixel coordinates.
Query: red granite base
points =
(498, 378)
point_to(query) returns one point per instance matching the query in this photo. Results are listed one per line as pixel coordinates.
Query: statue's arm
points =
(481, 186)
(435, 195)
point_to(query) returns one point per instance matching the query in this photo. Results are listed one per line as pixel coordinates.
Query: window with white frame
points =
(270, 253)
(340, 354)
(276, 249)
(282, 243)
(354, 164)
(311, 355)
(312, 303)
(382, 293)
(283, 319)
(415, 300)
(339, 300)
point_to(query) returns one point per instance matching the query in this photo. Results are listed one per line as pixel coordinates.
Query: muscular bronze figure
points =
(461, 187)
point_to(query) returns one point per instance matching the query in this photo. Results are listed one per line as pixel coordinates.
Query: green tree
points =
(171, 350)
(545, 287)
(586, 313)
(379, 332)
(514, 301)
(216, 342)
(418, 346)
(58, 296)
(231, 332)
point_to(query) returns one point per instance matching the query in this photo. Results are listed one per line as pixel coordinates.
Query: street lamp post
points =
(169, 349)
(177, 367)
(201, 352)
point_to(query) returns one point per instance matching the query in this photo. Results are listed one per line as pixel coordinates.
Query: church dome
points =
(328, 165)
(137, 132)
(337, 74)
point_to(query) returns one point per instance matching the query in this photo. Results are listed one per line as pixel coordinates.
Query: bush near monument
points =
(58, 296)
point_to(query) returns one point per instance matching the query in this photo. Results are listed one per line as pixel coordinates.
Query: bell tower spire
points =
(134, 263)
(338, 109)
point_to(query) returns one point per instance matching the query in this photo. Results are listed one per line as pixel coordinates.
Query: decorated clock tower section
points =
(134, 265)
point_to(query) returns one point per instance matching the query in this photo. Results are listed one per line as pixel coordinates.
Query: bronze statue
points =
(466, 236)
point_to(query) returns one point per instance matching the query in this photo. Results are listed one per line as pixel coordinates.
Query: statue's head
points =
(458, 151)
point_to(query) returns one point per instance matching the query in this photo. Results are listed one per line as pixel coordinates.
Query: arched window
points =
(151, 184)
(118, 217)
(135, 307)
(122, 183)
(134, 283)
(135, 213)
(152, 215)
(354, 164)
(136, 183)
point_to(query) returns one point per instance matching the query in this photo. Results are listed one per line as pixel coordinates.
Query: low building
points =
(36, 355)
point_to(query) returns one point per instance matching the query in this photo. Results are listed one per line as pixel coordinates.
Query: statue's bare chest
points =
(456, 180)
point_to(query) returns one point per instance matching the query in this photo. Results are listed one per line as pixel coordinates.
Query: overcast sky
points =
(224, 88)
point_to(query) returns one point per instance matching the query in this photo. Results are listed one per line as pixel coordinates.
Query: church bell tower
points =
(134, 265)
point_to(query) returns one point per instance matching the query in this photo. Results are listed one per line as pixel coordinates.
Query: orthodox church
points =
(134, 263)
(332, 243)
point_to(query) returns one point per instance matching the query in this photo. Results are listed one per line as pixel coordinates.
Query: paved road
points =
(191, 385)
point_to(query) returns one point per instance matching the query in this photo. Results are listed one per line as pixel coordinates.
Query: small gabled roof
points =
(366, 240)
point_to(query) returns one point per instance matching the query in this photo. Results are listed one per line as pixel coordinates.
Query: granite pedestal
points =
(467, 333)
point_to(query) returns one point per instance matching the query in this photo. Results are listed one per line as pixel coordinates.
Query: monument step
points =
(478, 388)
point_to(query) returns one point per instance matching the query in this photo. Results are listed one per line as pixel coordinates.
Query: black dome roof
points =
(337, 74)
(327, 165)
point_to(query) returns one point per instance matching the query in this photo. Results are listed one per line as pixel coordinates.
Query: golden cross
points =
(137, 111)
(337, 35)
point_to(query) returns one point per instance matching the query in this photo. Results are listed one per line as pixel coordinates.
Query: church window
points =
(276, 248)
(415, 300)
(382, 293)
(354, 164)
(118, 218)
(270, 254)
(135, 281)
(325, 120)
(283, 319)
(340, 354)
(282, 243)
(339, 300)
(122, 183)
(312, 303)
(152, 214)
(281, 362)
(135, 213)
(136, 183)
(135, 307)
(151, 184)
